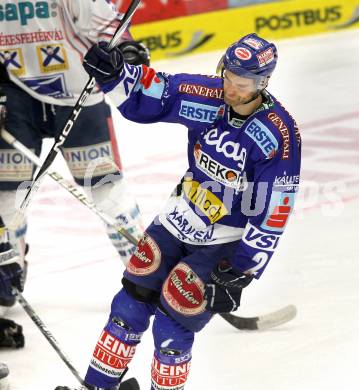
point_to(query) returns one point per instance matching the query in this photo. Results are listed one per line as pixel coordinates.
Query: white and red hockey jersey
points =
(42, 45)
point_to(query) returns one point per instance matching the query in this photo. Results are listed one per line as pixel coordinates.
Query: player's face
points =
(237, 89)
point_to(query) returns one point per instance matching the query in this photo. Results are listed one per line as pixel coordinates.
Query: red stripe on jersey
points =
(116, 154)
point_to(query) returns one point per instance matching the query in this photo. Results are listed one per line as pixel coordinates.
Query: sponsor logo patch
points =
(52, 58)
(284, 132)
(215, 170)
(13, 60)
(14, 166)
(147, 257)
(185, 229)
(243, 54)
(183, 290)
(111, 356)
(253, 43)
(201, 90)
(257, 239)
(205, 200)
(263, 137)
(286, 183)
(100, 156)
(118, 328)
(266, 57)
(169, 377)
(236, 122)
(280, 207)
(26, 10)
(198, 112)
(230, 149)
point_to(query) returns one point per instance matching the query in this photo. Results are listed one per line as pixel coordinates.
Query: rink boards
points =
(215, 30)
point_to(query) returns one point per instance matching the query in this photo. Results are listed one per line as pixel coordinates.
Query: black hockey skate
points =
(129, 384)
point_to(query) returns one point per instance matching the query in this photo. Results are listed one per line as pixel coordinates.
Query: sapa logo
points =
(25, 10)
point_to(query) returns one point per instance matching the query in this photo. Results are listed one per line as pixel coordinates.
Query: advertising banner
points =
(155, 10)
(216, 30)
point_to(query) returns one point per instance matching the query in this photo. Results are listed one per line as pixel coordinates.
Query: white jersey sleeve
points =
(95, 20)
(43, 49)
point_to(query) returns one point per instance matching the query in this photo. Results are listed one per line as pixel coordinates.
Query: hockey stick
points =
(73, 190)
(242, 323)
(19, 216)
(48, 335)
(129, 384)
(263, 322)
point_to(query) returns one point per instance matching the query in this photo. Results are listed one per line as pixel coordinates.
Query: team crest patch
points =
(183, 290)
(13, 60)
(147, 257)
(52, 58)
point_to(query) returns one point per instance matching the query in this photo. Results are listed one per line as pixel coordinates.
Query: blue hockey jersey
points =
(243, 172)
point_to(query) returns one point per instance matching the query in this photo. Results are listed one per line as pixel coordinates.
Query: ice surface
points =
(74, 271)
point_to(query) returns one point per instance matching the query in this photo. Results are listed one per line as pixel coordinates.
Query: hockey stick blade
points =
(264, 322)
(74, 114)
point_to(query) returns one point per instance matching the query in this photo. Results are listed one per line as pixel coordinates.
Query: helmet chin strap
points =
(254, 97)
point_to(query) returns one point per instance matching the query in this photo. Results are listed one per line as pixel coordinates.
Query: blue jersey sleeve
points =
(275, 184)
(145, 96)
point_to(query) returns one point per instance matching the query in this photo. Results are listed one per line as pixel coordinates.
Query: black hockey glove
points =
(134, 53)
(224, 294)
(11, 271)
(2, 108)
(11, 335)
(103, 64)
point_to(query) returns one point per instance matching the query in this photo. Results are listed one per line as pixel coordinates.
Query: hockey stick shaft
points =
(73, 190)
(73, 116)
(263, 322)
(48, 335)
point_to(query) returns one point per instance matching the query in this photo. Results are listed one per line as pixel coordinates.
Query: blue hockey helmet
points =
(250, 57)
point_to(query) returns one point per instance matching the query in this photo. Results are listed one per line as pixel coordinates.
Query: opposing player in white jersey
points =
(42, 45)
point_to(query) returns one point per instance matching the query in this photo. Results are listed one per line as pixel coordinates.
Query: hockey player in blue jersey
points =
(222, 224)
